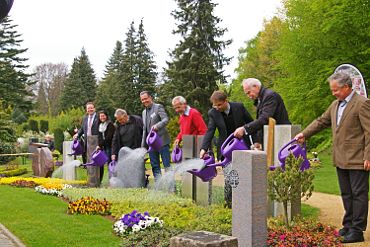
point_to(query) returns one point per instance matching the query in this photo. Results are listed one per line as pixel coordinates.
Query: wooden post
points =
(270, 142)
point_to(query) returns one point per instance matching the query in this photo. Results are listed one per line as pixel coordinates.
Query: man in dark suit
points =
(225, 116)
(349, 118)
(155, 117)
(269, 104)
(90, 131)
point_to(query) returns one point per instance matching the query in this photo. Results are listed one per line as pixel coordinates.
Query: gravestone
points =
(192, 186)
(42, 161)
(283, 134)
(93, 172)
(67, 149)
(248, 179)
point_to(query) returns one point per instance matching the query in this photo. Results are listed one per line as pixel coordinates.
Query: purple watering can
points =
(176, 154)
(231, 144)
(154, 141)
(98, 157)
(297, 150)
(208, 172)
(77, 148)
(112, 168)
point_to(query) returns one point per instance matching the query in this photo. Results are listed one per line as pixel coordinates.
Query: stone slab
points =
(203, 239)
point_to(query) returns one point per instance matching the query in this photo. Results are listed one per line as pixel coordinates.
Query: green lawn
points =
(41, 220)
(326, 180)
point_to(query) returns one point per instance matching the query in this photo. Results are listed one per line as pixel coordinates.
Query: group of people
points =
(348, 116)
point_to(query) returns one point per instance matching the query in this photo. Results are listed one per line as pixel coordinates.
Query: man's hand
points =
(154, 127)
(300, 138)
(113, 157)
(202, 153)
(367, 165)
(239, 132)
(75, 136)
(257, 146)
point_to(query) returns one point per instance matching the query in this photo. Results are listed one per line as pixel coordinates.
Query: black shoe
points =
(353, 237)
(343, 231)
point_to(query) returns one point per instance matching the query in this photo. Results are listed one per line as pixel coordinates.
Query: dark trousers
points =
(354, 187)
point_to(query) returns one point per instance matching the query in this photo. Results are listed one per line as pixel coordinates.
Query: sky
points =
(55, 31)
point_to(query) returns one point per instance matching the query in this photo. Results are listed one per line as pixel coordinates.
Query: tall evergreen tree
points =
(107, 95)
(14, 81)
(80, 87)
(146, 74)
(126, 73)
(197, 61)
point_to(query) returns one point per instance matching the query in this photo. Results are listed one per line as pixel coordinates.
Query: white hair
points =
(181, 99)
(121, 112)
(250, 82)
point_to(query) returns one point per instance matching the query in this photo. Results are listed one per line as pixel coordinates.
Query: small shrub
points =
(7, 148)
(89, 205)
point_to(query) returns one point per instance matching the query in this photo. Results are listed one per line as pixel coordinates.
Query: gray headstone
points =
(67, 149)
(203, 239)
(93, 172)
(249, 200)
(188, 146)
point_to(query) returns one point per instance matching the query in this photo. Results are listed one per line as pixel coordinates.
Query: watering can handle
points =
(228, 139)
(286, 145)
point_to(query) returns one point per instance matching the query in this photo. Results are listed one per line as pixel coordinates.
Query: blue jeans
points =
(154, 160)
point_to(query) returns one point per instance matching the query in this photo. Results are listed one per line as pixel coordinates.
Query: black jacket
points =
(270, 105)
(128, 134)
(108, 136)
(216, 121)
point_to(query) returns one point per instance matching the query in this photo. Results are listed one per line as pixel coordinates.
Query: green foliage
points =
(286, 185)
(176, 212)
(34, 125)
(80, 87)
(173, 127)
(153, 236)
(58, 139)
(6, 148)
(44, 125)
(7, 133)
(197, 60)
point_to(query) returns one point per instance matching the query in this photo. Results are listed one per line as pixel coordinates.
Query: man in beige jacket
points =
(349, 118)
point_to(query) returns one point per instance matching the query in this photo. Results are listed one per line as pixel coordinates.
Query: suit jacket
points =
(216, 121)
(94, 128)
(270, 105)
(351, 138)
(156, 116)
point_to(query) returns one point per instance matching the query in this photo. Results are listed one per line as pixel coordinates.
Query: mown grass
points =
(41, 220)
(326, 180)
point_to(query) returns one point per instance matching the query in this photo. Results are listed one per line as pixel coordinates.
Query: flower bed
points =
(89, 205)
(52, 189)
(42, 181)
(135, 222)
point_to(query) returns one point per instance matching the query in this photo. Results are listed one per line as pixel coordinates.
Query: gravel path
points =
(331, 212)
(7, 239)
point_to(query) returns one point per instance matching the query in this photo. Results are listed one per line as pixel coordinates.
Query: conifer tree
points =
(80, 87)
(42, 103)
(14, 81)
(126, 72)
(197, 61)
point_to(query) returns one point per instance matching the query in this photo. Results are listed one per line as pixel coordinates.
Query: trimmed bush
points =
(34, 125)
(15, 172)
(58, 139)
(44, 126)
